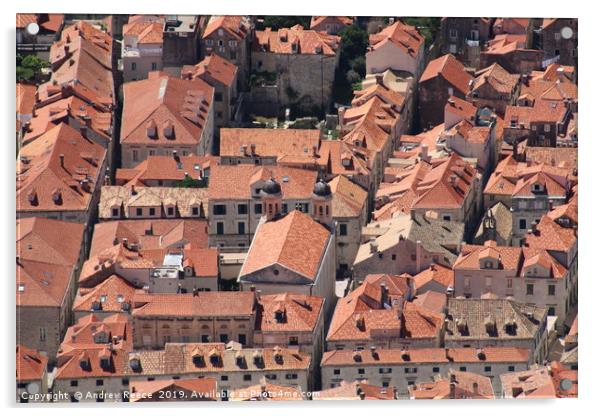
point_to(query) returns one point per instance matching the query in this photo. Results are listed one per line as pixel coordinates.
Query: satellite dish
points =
(32, 28)
(32, 388)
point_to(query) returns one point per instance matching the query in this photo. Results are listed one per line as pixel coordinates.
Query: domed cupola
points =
(271, 187)
(322, 189)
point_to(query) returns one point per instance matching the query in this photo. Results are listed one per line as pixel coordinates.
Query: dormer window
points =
(488, 264)
(105, 362)
(537, 187)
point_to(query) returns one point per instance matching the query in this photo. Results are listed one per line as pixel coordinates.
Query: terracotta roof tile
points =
(535, 383)
(348, 199)
(236, 26)
(458, 385)
(282, 40)
(162, 99)
(343, 20)
(47, 251)
(435, 273)
(300, 313)
(188, 304)
(451, 70)
(112, 294)
(402, 35)
(31, 365)
(280, 242)
(145, 32)
(267, 392)
(356, 390)
(232, 182)
(58, 171)
(212, 69)
(425, 355)
(269, 142)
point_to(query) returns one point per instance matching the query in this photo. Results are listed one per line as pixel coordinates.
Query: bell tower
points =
(271, 199)
(321, 200)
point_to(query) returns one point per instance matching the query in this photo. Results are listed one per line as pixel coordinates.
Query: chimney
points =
(453, 381)
(315, 151)
(83, 130)
(125, 242)
(253, 147)
(243, 149)
(418, 256)
(424, 153)
(341, 113)
(384, 294)
(373, 245)
(62, 159)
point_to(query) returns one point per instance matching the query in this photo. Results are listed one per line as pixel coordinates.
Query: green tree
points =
(279, 22)
(29, 67)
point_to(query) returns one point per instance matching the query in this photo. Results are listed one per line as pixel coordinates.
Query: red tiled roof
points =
(166, 168)
(47, 116)
(451, 70)
(201, 304)
(404, 36)
(306, 41)
(267, 391)
(559, 374)
(145, 32)
(497, 78)
(161, 100)
(115, 291)
(47, 250)
(356, 390)
(26, 97)
(280, 241)
(300, 313)
(459, 385)
(236, 26)
(269, 142)
(548, 235)
(535, 383)
(232, 182)
(338, 157)
(212, 68)
(348, 199)
(435, 273)
(425, 355)
(58, 171)
(31, 365)
(116, 329)
(508, 257)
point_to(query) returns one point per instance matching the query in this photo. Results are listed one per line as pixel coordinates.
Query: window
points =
(522, 224)
(219, 97)
(242, 209)
(170, 211)
(546, 128)
(410, 370)
(529, 289)
(435, 369)
(385, 370)
(219, 210)
(246, 377)
(232, 43)
(204, 338)
(510, 368)
(151, 211)
(135, 155)
(100, 382)
(115, 212)
(462, 368)
(551, 290)
(232, 55)
(450, 91)
(154, 66)
(138, 212)
(293, 341)
(453, 33)
(488, 369)
(224, 378)
(361, 371)
(557, 36)
(257, 208)
(125, 381)
(291, 376)
(393, 257)
(242, 339)
(42, 334)
(509, 283)
(195, 211)
(446, 218)
(241, 228)
(343, 229)
(336, 371)
(386, 384)
(133, 66)
(223, 338)
(552, 311)
(220, 227)
(73, 383)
